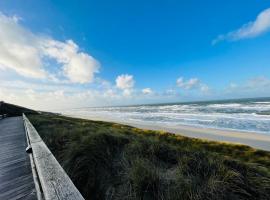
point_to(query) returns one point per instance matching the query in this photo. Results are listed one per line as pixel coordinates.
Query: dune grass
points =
(114, 161)
(14, 110)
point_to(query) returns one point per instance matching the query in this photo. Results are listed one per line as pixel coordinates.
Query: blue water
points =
(251, 115)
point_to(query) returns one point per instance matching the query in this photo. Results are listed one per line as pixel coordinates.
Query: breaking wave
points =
(243, 115)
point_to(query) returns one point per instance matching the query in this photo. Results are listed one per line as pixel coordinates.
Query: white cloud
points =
(191, 84)
(257, 86)
(79, 67)
(147, 91)
(188, 84)
(125, 81)
(26, 52)
(204, 88)
(170, 92)
(50, 95)
(30, 93)
(261, 82)
(249, 30)
(57, 97)
(18, 49)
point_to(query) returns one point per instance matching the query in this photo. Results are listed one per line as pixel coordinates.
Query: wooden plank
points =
(55, 183)
(16, 180)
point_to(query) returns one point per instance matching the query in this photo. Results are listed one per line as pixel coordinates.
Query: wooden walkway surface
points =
(16, 179)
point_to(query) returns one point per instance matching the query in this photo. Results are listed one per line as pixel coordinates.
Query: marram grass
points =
(114, 161)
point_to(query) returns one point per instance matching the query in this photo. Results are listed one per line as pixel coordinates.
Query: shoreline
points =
(252, 139)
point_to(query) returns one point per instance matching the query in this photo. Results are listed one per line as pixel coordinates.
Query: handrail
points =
(54, 183)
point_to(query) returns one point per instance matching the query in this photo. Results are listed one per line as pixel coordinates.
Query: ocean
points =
(249, 115)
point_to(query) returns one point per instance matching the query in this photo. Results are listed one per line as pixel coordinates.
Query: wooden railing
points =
(51, 181)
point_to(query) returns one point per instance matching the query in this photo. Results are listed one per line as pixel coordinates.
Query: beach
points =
(253, 139)
(242, 121)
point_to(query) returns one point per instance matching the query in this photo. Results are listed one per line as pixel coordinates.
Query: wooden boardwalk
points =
(16, 179)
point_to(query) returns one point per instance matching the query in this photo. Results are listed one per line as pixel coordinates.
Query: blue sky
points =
(159, 51)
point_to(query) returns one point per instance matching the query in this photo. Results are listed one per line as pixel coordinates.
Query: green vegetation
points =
(114, 161)
(13, 110)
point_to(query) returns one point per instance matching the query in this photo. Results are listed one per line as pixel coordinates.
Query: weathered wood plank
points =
(55, 183)
(16, 180)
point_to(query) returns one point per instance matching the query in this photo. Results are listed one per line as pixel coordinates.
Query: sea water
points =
(252, 115)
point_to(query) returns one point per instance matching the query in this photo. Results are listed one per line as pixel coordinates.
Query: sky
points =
(68, 54)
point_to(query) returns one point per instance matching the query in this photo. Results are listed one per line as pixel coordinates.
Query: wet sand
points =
(255, 140)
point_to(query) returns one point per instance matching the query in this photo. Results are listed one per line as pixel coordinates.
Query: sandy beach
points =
(255, 140)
